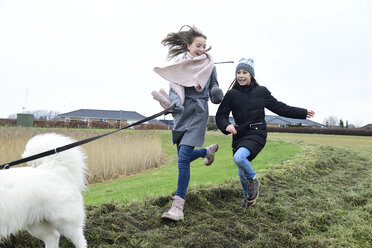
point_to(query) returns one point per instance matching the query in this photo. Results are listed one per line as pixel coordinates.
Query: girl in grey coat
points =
(193, 81)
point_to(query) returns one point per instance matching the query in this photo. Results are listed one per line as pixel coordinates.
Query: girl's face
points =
(243, 77)
(198, 46)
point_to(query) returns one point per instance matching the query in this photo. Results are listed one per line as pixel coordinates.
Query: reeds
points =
(121, 154)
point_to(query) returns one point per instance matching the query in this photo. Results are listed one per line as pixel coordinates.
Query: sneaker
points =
(253, 190)
(209, 157)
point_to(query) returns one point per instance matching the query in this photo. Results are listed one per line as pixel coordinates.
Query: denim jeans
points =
(186, 154)
(245, 170)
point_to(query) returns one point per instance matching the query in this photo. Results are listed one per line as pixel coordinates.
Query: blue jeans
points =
(245, 170)
(186, 154)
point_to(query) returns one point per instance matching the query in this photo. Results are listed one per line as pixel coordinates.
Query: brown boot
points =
(176, 211)
(209, 157)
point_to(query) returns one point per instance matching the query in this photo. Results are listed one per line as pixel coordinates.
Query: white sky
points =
(68, 55)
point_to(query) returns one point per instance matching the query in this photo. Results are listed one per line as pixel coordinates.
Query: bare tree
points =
(331, 121)
(357, 123)
(45, 115)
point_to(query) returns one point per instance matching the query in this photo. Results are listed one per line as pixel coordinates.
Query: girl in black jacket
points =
(247, 101)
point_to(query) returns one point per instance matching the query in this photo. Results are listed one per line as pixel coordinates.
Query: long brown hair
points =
(235, 83)
(177, 42)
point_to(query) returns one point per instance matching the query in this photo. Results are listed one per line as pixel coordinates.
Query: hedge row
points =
(311, 130)
(81, 124)
(337, 131)
(104, 125)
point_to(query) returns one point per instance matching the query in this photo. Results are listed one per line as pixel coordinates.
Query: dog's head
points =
(71, 161)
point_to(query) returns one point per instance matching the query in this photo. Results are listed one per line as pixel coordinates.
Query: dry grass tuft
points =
(121, 154)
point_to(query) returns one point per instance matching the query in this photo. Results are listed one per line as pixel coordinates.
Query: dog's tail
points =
(73, 159)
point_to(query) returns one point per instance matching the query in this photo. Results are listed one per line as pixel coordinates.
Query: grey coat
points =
(190, 125)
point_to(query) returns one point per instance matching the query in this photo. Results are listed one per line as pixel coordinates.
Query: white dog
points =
(45, 197)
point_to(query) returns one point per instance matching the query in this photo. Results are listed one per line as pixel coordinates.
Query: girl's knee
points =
(238, 159)
(185, 155)
(241, 156)
(184, 162)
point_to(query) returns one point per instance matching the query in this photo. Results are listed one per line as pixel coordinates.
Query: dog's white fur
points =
(45, 197)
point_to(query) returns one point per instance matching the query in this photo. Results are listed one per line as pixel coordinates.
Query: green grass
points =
(163, 181)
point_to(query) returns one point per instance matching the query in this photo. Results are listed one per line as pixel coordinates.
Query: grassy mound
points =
(323, 198)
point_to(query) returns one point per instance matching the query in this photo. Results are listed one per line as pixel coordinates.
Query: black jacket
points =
(247, 104)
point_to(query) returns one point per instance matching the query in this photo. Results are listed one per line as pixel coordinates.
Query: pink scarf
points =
(189, 71)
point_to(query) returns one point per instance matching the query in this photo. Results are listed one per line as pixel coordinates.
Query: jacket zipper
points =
(257, 123)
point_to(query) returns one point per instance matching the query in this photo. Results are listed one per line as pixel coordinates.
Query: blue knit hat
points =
(246, 64)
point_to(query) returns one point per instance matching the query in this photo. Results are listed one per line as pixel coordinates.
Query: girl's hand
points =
(310, 113)
(231, 129)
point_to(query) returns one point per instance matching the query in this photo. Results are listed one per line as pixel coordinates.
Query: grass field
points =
(163, 181)
(320, 196)
(358, 143)
(280, 147)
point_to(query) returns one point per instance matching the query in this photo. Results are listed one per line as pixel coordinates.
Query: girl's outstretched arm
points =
(282, 109)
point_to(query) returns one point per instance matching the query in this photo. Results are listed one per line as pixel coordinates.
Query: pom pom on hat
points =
(246, 64)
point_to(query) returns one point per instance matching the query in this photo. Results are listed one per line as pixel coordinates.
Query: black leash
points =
(78, 143)
(224, 62)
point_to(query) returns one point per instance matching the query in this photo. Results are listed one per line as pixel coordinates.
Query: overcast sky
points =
(69, 55)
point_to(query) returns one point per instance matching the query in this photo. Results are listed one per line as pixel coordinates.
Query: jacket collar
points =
(246, 88)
